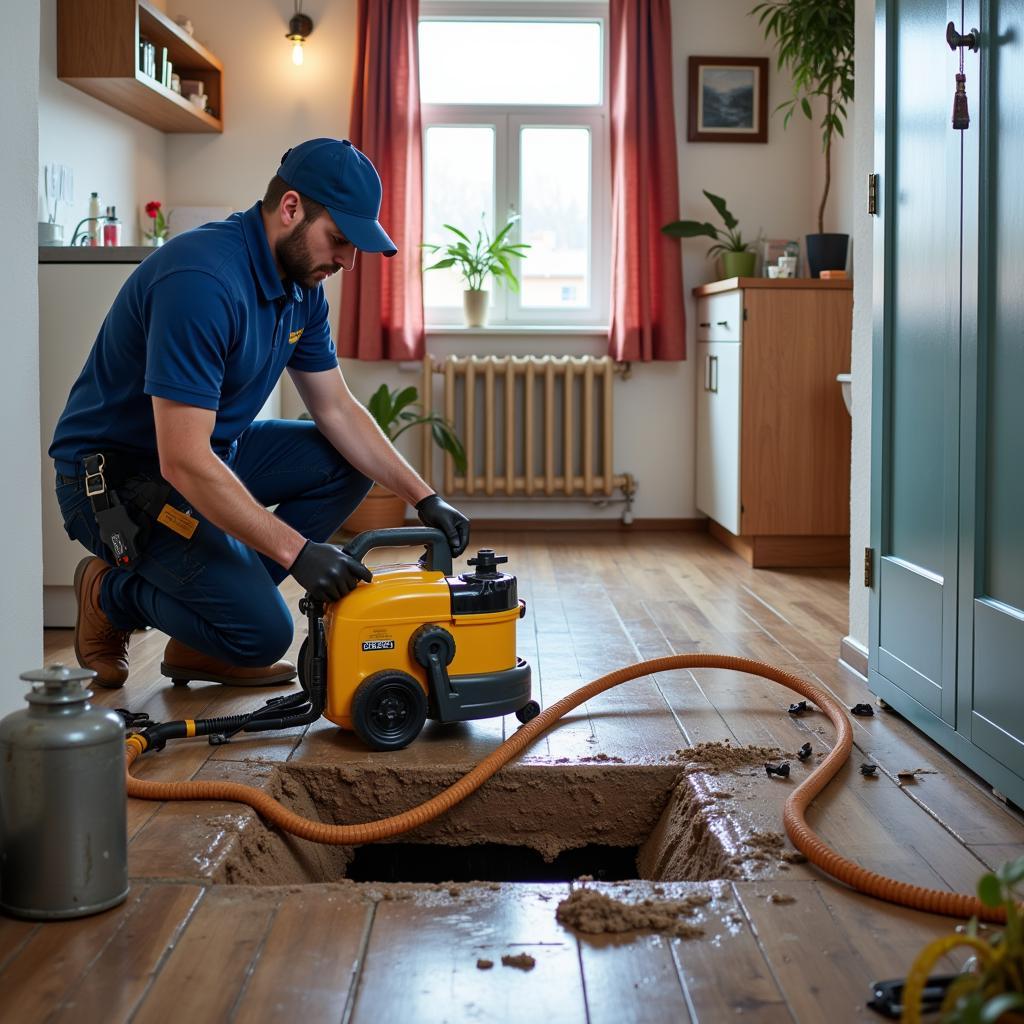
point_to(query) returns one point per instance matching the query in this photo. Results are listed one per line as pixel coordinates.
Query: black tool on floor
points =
(868, 769)
(799, 708)
(887, 996)
(862, 710)
(781, 770)
(804, 752)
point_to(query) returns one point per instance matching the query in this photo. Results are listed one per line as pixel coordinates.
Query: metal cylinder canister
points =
(63, 803)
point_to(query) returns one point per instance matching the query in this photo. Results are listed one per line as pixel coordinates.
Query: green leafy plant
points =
(395, 411)
(994, 990)
(727, 240)
(485, 257)
(814, 39)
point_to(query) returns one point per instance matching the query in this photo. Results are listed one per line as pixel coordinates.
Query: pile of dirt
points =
(523, 961)
(718, 756)
(593, 912)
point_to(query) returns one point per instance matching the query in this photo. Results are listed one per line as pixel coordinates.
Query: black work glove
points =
(327, 572)
(434, 511)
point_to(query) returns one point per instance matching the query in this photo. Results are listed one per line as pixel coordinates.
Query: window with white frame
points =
(514, 105)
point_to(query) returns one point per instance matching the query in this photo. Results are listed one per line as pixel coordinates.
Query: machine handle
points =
(439, 554)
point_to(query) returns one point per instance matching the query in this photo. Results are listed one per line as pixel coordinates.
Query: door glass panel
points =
(921, 323)
(1002, 407)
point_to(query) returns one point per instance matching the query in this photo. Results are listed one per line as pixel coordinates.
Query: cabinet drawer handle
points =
(713, 373)
(708, 324)
(722, 323)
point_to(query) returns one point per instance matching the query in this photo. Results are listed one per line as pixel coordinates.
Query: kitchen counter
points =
(89, 254)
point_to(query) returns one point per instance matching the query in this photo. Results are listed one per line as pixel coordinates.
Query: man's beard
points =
(295, 259)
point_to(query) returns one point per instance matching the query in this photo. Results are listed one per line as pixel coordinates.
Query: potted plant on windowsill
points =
(737, 259)
(814, 39)
(395, 411)
(477, 260)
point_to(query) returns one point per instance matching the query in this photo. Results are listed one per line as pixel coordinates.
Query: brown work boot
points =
(98, 644)
(183, 664)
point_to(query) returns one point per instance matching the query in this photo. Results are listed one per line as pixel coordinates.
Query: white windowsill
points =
(498, 329)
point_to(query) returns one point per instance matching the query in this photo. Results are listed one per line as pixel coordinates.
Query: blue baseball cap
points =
(338, 176)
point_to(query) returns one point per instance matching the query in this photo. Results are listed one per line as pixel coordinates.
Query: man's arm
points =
(189, 465)
(355, 434)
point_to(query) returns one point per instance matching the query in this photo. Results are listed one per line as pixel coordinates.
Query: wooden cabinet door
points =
(916, 363)
(991, 667)
(718, 432)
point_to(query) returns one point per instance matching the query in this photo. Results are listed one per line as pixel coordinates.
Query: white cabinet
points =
(773, 435)
(718, 432)
(74, 298)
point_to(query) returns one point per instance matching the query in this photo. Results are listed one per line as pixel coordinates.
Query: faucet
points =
(84, 233)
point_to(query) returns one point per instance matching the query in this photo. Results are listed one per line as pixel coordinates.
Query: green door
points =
(992, 546)
(916, 367)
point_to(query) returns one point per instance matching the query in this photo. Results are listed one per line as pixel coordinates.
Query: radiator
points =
(532, 426)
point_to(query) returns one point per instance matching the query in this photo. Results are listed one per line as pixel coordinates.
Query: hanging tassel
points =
(961, 118)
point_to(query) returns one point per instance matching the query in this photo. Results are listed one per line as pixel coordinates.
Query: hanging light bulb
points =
(300, 26)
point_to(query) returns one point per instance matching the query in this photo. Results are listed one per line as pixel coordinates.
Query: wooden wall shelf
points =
(97, 52)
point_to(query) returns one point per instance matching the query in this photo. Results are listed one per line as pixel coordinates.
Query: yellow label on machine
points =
(180, 522)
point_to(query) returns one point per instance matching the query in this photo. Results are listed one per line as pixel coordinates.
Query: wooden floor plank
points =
(309, 960)
(725, 973)
(49, 966)
(202, 978)
(814, 962)
(421, 960)
(117, 980)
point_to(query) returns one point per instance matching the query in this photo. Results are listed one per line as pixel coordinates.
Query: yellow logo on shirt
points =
(295, 335)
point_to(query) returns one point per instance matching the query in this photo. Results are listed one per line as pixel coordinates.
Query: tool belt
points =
(126, 519)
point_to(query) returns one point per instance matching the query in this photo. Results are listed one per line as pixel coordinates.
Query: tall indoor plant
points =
(396, 410)
(814, 40)
(477, 260)
(737, 259)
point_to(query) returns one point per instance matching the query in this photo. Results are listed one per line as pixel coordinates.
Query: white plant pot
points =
(474, 305)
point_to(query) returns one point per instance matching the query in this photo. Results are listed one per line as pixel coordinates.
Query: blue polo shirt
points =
(204, 320)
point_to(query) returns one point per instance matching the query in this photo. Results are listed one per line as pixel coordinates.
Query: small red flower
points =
(152, 208)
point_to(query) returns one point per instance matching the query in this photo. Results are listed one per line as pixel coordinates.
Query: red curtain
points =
(647, 314)
(382, 299)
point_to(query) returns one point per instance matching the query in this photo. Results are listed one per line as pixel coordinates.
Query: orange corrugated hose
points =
(804, 839)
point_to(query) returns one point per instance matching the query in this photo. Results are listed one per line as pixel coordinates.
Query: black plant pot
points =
(826, 252)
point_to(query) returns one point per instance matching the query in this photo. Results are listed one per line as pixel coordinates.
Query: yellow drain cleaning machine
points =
(415, 643)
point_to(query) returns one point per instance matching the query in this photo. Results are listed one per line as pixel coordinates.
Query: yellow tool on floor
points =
(330, 681)
(420, 643)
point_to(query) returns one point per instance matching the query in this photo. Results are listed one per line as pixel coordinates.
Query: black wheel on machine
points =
(528, 711)
(388, 709)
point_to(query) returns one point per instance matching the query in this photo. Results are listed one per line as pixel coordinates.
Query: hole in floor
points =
(531, 822)
(487, 862)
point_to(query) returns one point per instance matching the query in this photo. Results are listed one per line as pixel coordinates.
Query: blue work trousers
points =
(212, 592)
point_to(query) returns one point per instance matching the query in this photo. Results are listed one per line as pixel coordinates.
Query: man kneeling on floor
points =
(161, 469)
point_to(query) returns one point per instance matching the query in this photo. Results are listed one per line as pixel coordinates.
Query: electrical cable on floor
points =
(819, 853)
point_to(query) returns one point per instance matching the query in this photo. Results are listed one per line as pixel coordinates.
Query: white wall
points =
(860, 479)
(109, 152)
(21, 586)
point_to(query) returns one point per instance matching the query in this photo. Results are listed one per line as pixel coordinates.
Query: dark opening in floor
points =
(487, 862)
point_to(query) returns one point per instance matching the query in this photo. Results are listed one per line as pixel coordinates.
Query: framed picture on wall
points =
(728, 99)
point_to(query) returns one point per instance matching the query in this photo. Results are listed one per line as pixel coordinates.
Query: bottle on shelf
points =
(111, 228)
(95, 229)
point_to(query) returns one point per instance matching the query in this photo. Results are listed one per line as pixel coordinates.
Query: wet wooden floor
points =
(797, 947)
